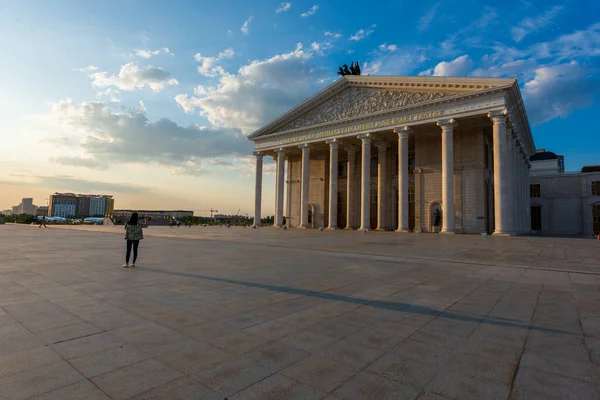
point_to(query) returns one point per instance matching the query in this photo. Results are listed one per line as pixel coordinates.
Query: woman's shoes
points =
(125, 265)
(133, 265)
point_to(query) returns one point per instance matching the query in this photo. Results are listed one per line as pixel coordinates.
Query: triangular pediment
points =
(359, 96)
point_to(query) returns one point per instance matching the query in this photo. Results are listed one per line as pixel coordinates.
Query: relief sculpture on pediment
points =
(355, 102)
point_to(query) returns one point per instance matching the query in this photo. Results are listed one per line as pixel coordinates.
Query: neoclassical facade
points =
(422, 154)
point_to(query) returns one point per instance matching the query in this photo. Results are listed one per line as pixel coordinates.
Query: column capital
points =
(382, 145)
(365, 137)
(280, 151)
(351, 149)
(403, 132)
(258, 154)
(333, 142)
(498, 117)
(304, 146)
(446, 124)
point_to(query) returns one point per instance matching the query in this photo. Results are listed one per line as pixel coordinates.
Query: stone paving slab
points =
(299, 314)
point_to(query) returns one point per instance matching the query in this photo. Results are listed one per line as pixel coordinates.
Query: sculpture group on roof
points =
(353, 70)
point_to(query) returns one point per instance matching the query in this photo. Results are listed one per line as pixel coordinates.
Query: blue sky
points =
(152, 100)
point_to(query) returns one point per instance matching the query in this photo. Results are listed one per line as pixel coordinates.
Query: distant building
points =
(42, 211)
(8, 211)
(63, 205)
(83, 206)
(97, 206)
(546, 162)
(69, 205)
(563, 203)
(25, 207)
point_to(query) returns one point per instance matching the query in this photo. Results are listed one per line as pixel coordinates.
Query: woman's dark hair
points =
(133, 220)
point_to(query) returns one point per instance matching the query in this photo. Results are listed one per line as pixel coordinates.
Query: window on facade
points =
(411, 195)
(596, 188)
(374, 167)
(535, 191)
(373, 196)
(486, 155)
(411, 161)
(342, 170)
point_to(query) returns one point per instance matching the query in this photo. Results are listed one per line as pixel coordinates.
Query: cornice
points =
(384, 113)
(464, 86)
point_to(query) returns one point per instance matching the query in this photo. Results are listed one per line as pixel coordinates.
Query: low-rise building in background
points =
(563, 203)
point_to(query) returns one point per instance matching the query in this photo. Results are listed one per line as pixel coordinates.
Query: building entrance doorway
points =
(536, 219)
(341, 210)
(373, 211)
(596, 219)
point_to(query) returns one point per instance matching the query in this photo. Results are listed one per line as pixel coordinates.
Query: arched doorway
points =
(536, 218)
(435, 217)
(596, 219)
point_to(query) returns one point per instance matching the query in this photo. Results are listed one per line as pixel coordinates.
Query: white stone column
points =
(512, 180)
(258, 188)
(522, 209)
(350, 174)
(280, 187)
(381, 188)
(501, 173)
(528, 196)
(305, 185)
(365, 182)
(447, 174)
(403, 134)
(333, 182)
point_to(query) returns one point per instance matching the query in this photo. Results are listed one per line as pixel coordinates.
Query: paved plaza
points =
(215, 312)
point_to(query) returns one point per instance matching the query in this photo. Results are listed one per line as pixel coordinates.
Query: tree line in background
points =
(19, 218)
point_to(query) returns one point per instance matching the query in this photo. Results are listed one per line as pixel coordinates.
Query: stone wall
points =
(566, 202)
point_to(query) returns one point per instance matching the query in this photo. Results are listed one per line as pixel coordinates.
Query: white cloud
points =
(362, 33)
(246, 26)
(132, 77)
(106, 137)
(321, 48)
(142, 107)
(210, 66)
(76, 161)
(110, 94)
(556, 91)
(388, 47)
(582, 43)
(89, 68)
(469, 33)
(460, 66)
(426, 19)
(333, 35)
(259, 92)
(371, 68)
(283, 7)
(150, 53)
(507, 69)
(530, 25)
(310, 12)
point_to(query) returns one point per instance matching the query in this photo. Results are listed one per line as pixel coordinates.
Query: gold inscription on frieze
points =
(358, 128)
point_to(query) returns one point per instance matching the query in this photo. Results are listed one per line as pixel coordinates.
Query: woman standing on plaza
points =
(133, 235)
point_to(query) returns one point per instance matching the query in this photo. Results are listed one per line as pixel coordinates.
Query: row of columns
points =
(511, 177)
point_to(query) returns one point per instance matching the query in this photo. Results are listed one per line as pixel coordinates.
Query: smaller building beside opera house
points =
(420, 154)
